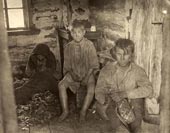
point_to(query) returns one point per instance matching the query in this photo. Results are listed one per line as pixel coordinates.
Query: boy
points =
(124, 80)
(80, 65)
(41, 70)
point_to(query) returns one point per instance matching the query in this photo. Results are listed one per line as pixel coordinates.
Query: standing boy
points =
(80, 65)
(125, 80)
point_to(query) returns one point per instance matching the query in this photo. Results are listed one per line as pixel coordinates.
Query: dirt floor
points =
(93, 124)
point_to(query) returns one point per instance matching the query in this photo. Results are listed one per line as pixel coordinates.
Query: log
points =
(8, 119)
(165, 85)
(146, 31)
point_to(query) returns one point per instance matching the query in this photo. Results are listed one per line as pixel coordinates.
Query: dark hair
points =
(78, 23)
(124, 44)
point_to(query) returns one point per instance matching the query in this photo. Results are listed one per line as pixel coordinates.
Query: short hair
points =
(78, 24)
(124, 44)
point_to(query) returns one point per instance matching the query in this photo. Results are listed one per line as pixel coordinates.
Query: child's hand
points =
(84, 81)
(74, 76)
(122, 94)
(118, 96)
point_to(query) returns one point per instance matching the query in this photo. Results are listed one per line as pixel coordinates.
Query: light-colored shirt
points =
(134, 82)
(79, 58)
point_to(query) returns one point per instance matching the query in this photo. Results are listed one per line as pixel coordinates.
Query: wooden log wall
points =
(165, 86)
(145, 29)
(149, 29)
(8, 121)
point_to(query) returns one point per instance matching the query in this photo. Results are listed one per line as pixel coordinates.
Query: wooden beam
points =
(8, 119)
(157, 6)
(165, 85)
(145, 28)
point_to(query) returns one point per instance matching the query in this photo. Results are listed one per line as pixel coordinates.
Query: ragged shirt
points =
(135, 82)
(79, 58)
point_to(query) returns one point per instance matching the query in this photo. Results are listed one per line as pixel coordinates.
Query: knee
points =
(61, 86)
(135, 127)
(90, 91)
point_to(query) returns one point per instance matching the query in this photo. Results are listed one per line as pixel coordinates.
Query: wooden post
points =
(165, 86)
(8, 119)
(145, 27)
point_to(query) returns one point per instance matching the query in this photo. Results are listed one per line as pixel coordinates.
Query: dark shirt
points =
(40, 49)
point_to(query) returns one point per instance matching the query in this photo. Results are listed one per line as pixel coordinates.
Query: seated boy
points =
(41, 70)
(80, 65)
(123, 80)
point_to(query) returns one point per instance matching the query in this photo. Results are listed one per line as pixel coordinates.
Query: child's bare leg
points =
(101, 109)
(88, 98)
(63, 100)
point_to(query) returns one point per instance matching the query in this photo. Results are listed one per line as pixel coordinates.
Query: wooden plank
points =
(1, 104)
(93, 35)
(148, 41)
(154, 66)
(157, 6)
(7, 104)
(140, 32)
(1, 115)
(165, 86)
(156, 57)
(128, 13)
(64, 34)
(128, 6)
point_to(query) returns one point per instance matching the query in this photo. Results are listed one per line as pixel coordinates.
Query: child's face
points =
(78, 33)
(41, 60)
(124, 57)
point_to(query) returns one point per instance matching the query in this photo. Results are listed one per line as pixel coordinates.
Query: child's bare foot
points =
(63, 116)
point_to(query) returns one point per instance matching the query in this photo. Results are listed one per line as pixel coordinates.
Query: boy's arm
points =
(93, 62)
(144, 86)
(66, 66)
(104, 83)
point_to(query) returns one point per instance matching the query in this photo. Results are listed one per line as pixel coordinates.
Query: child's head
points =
(78, 30)
(123, 51)
(41, 61)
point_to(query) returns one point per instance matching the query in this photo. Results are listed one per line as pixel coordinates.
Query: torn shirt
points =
(135, 82)
(79, 58)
